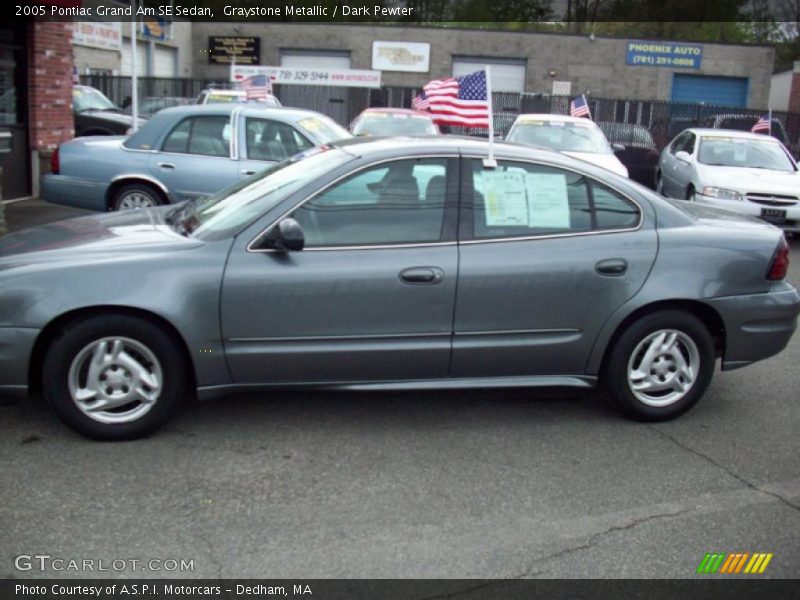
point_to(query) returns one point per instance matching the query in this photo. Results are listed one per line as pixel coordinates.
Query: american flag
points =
(763, 124)
(76, 79)
(460, 101)
(420, 101)
(579, 108)
(257, 87)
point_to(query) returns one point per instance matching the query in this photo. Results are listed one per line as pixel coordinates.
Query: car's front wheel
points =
(135, 195)
(660, 365)
(114, 377)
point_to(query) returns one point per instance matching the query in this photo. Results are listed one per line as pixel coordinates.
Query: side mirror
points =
(287, 235)
(683, 156)
(617, 147)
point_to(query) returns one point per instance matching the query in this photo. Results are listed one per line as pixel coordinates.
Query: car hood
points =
(742, 179)
(606, 161)
(94, 236)
(111, 116)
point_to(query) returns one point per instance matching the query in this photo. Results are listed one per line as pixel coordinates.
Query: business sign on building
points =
(155, 28)
(663, 54)
(401, 56)
(562, 88)
(96, 34)
(241, 50)
(290, 76)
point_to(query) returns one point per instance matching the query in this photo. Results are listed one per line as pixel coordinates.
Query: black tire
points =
(127, 193)
(79, 339)
(690, 193)
(625, 353)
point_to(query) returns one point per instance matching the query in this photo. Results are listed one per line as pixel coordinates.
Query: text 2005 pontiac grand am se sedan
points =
(386, 264)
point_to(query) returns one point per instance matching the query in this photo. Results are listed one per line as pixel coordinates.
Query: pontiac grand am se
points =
(391, 263)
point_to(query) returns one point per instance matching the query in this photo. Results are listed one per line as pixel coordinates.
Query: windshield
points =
(86, 98)
(217, 98)
(238, 205)
(386, 124)
(560, 135)
(741, 152)
(323, 129)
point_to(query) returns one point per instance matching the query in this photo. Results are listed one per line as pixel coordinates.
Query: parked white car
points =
(576, 136)
(748, 173)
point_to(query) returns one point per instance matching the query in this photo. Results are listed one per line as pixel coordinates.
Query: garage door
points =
(165, 61)
(141, 58)
(721, 91)
(329, 100)
(507, 75)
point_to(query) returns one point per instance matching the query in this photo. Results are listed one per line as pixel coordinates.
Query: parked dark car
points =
(152, 104)
(97, 115)
(391, 263)
(639, 153)
(745, 122)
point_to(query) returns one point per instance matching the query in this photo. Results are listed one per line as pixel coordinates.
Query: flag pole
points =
(490, 162)
(589, 110)
(134, 77)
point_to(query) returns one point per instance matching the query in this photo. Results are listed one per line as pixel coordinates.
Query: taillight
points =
(54, 162)
(780, 262)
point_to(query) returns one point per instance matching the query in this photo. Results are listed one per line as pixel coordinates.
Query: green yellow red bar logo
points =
(734, 563)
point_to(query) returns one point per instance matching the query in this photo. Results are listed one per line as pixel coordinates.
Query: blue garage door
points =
(723, 91)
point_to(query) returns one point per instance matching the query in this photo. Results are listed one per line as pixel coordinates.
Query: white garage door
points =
(165, 61)
(507, 75)
(329, 100)
(141, 58)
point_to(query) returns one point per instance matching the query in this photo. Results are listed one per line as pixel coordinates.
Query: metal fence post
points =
(3, 229)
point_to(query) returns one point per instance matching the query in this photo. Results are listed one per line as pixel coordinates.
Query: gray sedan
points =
(182, 153)
(391, 264)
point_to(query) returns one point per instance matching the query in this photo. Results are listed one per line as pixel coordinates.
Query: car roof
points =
(147, 137)
(396, 111)
(447, 144)
(553, 117)
(738, 133)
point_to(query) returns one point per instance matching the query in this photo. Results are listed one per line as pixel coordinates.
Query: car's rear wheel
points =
(660, 365)
(114, 377)
(135, 195)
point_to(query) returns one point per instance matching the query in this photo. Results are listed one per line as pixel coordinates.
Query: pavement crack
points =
(725, 469)
(595, 538)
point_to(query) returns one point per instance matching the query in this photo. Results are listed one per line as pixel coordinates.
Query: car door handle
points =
(248, 172)
(422, 275)
(166, 165)
(612, 266)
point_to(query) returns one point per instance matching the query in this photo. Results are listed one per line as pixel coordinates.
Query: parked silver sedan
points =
(391, 264)
(749, 173)
(182, 153)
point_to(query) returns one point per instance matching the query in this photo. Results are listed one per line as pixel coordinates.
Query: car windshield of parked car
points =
(323, 129)
(84, 99)
(236, 206)
(386, 124)
(217, 98)
(561, 136)
(742, 152)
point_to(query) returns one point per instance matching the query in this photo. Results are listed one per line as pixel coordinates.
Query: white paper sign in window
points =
(504, 196)
(548, 204)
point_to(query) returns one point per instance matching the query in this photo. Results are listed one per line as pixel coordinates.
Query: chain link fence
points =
(645, 122)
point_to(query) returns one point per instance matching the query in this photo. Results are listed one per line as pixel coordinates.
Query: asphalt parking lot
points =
(483, 484)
